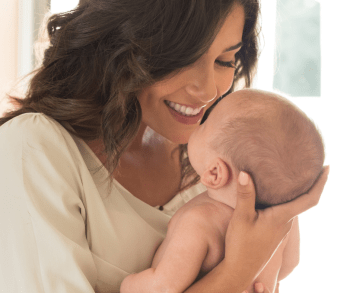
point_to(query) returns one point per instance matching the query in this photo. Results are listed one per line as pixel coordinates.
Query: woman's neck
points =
(148, 141)
(147, 169)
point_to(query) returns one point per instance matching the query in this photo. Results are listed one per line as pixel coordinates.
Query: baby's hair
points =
(276, 143)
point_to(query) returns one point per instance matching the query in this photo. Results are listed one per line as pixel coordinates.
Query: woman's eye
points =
(229, 64)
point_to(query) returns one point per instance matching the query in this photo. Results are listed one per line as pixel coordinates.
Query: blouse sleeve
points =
(43, 244)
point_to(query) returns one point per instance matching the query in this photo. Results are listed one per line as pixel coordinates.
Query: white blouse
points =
(60, 230)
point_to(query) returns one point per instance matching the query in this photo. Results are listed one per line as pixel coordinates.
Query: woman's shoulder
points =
(34, 141)
(32, 122)
(35, 129)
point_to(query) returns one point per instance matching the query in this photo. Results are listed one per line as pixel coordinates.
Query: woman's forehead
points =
(230, 34)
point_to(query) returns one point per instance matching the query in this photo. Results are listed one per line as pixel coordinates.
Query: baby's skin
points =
(195, 244)
(195, 240)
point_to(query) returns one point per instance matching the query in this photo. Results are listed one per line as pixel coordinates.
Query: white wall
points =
(8, 47)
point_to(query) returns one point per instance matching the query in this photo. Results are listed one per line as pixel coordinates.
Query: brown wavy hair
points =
(104, 52)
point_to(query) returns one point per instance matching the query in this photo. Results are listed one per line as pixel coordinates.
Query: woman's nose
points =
(201, 84)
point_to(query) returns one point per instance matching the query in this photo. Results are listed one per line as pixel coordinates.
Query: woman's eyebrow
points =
(234, 47)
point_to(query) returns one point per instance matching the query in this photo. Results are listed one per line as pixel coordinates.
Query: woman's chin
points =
(179, 139)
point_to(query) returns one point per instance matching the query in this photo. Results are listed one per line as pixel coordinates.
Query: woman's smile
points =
(185, 114)
(185, 110)
(191, 91)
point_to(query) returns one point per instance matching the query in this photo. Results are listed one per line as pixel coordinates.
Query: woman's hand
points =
(253, 236)
(261, 288)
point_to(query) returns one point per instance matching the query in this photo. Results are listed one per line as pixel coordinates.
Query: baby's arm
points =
(181, 261)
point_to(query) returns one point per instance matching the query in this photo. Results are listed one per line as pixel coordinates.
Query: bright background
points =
(325, 241)
(325, 256)
(63, 5)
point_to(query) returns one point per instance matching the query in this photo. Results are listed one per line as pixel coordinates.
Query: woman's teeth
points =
(187, 111)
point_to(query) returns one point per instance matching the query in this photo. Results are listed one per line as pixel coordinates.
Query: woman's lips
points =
(188, 120)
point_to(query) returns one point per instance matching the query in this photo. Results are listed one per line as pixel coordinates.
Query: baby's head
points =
(266, 136)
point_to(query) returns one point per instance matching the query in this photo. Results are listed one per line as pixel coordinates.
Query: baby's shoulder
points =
(196, 217)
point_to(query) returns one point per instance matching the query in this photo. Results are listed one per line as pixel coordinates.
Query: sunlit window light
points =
(58, 6)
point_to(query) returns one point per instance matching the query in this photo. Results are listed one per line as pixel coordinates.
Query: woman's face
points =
(175, 106)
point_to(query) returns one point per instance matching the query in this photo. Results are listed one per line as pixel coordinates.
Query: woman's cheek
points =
(225, 81)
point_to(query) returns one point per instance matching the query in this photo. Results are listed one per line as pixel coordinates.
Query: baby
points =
(253, 131)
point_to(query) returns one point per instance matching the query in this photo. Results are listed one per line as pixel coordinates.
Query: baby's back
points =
(212, 215)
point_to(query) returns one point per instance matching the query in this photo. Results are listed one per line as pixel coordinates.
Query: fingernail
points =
(243, 178)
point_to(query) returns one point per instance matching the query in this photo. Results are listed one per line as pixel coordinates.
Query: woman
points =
(125, 83)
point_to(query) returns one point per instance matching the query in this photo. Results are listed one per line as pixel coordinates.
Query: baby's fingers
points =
(304, 202)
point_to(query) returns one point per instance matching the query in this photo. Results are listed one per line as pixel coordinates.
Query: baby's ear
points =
(216, 175)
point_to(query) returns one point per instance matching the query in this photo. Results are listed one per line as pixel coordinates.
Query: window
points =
(322, 75)
(58, 6)
(291, 35)
(298, 52)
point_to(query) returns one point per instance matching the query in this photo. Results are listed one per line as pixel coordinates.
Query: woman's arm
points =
(291, 253)
(253, 236)
(283, 261)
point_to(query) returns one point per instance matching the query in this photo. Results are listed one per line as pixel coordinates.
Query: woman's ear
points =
(216, 175)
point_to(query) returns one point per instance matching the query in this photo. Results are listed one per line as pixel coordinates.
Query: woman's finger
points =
(289, 210)
(259, 288)
(245, 196)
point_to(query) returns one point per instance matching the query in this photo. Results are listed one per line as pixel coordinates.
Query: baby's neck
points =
(224, 195)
